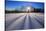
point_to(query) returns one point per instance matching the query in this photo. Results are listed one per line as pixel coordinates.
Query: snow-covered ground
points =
(19, 21)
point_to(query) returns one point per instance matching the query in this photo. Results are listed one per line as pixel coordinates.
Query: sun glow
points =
(28, 8)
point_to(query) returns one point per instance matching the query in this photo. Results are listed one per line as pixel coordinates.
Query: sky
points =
(12, 5)
(28, 0)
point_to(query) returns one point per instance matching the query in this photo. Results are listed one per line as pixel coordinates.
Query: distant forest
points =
(17, 11)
